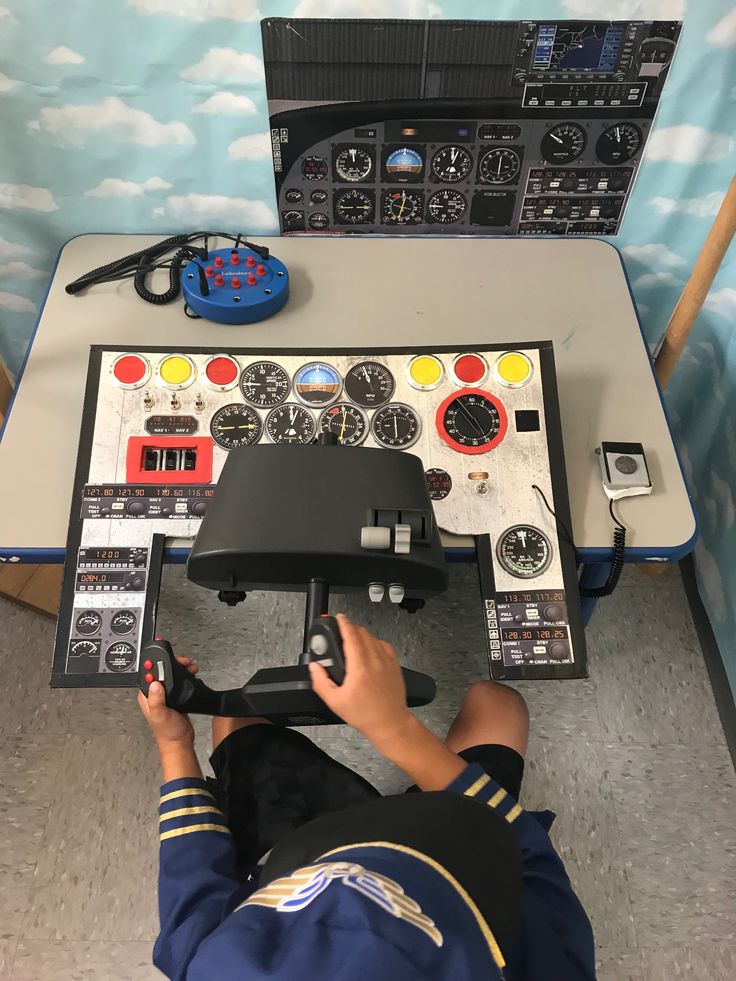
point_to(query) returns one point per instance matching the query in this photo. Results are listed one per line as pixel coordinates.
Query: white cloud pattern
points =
(656, 279)
(241, 11)
(655, 254)
(688, 144)
(15, 303)
(256, 146)
(26, 197)
(6, 84)
(626, 9)
(114, 187)
(227, 104)
(723, 34)
(722, 302)
(63, 56)
(234, 214)
(358, 8)
(225, 65)
(9, 250)
(7, 16)
(703, 207)
(73, 125)
(21, 270)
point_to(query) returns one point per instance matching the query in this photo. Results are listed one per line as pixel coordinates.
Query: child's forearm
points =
(178, 762)
(420, 754)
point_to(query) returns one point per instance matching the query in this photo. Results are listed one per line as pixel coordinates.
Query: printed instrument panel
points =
(158, 425)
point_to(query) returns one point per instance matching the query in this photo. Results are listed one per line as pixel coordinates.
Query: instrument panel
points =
(482, 132)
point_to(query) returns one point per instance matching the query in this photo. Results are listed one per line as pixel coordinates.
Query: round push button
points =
(513, 369)
(469, 369)
(176, 371)
(131, 371)
(222, 371)
(425, 372)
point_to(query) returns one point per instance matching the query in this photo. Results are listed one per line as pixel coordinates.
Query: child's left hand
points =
(172, 729)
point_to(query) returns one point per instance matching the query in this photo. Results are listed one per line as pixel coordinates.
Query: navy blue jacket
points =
(368, 911)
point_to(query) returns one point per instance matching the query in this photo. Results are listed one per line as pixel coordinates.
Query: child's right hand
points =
(171, 729)
(372, 698)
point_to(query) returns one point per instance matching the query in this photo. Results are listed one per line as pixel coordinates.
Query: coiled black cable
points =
(145, 266)
(119, 265)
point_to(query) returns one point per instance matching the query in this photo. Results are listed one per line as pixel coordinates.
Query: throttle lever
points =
(182, 690)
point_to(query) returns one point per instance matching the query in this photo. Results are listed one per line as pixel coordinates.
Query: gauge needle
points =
(471, 418)
(555, 138)
(618, 134)
(403, 203)
(522, 536)
(292, 415)
(396, 427)
(344, 420)
(367, 376)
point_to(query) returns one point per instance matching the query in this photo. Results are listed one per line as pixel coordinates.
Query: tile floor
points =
(633, 761)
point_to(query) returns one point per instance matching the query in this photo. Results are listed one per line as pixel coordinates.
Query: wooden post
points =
(696, 289)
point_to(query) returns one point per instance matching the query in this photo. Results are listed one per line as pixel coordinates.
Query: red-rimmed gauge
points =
(471, 421)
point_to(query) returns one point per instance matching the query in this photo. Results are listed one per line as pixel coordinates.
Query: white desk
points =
(377, 292)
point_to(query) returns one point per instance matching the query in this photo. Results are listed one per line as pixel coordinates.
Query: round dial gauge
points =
(370, 384)
(317, 384)
(402, 207)
(346, 421)
(353, 163)
(123, 622)
(563, 143)
(446, 207)
(88, 622)
(314, 168)
(120, 656)
(396, 425)
(618, 143)
(354, 207)
(499, 166)
(235, 425)
(404, 164)
(84, 648)
(524, 551)
(264, 384)
(451, 164)
(471, 421)
(290, 423)
(319, 221)
(318, 197)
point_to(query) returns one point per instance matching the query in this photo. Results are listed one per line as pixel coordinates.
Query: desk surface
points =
(377, 292)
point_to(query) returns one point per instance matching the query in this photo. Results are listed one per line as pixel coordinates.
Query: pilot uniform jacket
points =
(368, 911)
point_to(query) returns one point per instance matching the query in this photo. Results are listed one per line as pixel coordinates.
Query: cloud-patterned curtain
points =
(150, 115)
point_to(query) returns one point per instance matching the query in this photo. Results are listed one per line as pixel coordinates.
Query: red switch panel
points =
(168, 460)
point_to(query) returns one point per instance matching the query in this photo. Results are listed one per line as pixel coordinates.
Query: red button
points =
(209, 272)
(261, 270)
(148, 665)
(130, 369)
(235, 283)
(252, 279)
(149, 678)
(235, 259)
(250, 261)
(219, 262)
(219, 280)
(222, 371)
(470, 369)
(159, 638)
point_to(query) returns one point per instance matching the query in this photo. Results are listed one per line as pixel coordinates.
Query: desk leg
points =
(592, 575)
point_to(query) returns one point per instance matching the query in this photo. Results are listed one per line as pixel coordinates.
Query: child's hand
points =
(172, 729)
(372, 698)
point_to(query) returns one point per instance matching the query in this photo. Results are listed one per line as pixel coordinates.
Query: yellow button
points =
(175, 370)
(513, 368)
(425, 371)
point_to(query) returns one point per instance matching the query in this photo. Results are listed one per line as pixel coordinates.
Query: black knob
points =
(166, 512)
(617, 184)
(559, 651)
(553, 613)
(137, 582)
(518, 617)
(136, 507)
(568, 184)
(562, 211)
(139, 560)
(198, 508)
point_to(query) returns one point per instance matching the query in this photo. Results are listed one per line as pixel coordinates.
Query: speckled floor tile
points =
(95, 875)
(675, 809)
(28, 770)
(712, 962)
(664, 574)
(16, 880)
(7, 953)
(618, 964)
(58, 960)
(570, 777)
(651, 682)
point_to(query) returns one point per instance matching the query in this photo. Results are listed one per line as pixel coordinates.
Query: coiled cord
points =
(144, 267)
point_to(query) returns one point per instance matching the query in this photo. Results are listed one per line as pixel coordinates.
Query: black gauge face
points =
(402, 207)
(264, 384)
(370, 384)
(618, 143)
(499, 166)
(355, 207)
(346, 421)
(235, 425)
(88, 622)
(123, 622)
(318, 197)
(446, 207)
(294, 195)
(290, 423)
(396, 425)
(471, 420)
(563, 143)
(84, 648)
(451, 164)
(439, 483)
(314, 168)
(319, 221)
(524, 551)
(120, 656)
(353, 163)
(317, 383)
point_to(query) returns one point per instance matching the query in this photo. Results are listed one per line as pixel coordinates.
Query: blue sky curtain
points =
(150, 115)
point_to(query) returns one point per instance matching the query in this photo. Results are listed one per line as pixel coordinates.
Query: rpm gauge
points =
(396, 426)
(524, 551)
(290, 423)
(618, 143)
(264, 384)
(345, 421)
(235, 425)
(499, 166)
(369, 384)
(563, 143)
(353, 163)
(471, 421)
(446, 207)
(451, 164)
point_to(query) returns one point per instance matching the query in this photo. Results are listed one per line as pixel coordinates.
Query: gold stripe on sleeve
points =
(176, 832)
(478, 785)
(513, 813)
(182, 811)
(186, 792)
(497, 798)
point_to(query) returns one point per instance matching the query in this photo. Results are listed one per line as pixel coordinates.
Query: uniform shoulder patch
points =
(296, 891)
